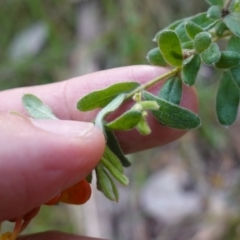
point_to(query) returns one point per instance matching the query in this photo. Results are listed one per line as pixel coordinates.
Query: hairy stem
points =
(152, 82)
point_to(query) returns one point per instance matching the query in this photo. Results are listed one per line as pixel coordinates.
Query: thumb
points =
(39, 158)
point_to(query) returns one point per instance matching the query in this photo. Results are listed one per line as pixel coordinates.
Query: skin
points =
(45, 156)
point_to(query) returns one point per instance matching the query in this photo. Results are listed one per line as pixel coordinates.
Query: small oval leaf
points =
(173, 115)
(190, 70)
(202, 41)
(171, 48)
(36, 108)
(211, 55)
(214, 12)
(192, 29)
(171, 91)
(126, 121)
(228, 59)
(227, 100)
(232, 21)
(100, 98)
(155, 57)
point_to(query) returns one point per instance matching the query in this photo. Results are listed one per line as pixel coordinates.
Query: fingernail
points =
(64, 127)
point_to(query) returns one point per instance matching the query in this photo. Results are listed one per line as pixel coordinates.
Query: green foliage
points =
(36, 108)
(173, 115)
(232, 21)
(183, 46)
(202, 41)
(172, 90)
(155, 57)
(211, 55)
(227, 100)
(190, 70)
(170, 47)
(101, 98)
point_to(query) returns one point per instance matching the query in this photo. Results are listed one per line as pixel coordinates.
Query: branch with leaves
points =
(182, 47)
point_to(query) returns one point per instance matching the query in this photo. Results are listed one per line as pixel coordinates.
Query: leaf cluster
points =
(182, 46)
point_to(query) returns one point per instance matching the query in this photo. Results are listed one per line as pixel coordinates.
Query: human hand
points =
(40, 158)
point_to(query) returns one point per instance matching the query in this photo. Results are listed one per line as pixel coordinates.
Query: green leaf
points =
(236, 74)
(155, 57)
(216, 2)
(89, 177)
(214, 12)
(192, 29)
(202, 20)
(202, 41)
(114, 172)
(236, 6)
(126, 121)
(228, 59)
(36, 108)
(173, 115)
(170, 27)
(171, 91)
(211, 55)
(220, 28)
(100, 98)
(113, 144)
(105, 183)
(181, 33)
(112, 106)
(190, 70)
(232, 21)
(171, 48)
(227, 100)
(187, 45)
(113, 159)
(234, 44)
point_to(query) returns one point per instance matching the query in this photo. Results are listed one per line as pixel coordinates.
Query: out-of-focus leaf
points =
(220, 28)
(232, 21)
(171, 91)
(214, 12)
(187, 45)
(126, 121)
(155, 57)
(100, 98)
(36, 108)
(105, 183)
(113, 144)
(234, 44)
(227, 100)
(228, 59)
(216, 2)
(112, 106)
(173, 115)
(236, 74)
(202, 41)
(171, 48)
(211, 55)
(192, 29)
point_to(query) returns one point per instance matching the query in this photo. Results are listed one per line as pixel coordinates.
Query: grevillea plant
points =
(182, 47)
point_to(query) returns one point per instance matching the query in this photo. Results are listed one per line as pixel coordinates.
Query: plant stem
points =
(227, 5)
(152, 82)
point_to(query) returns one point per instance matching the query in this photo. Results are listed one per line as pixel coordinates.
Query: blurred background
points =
(187, 190)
